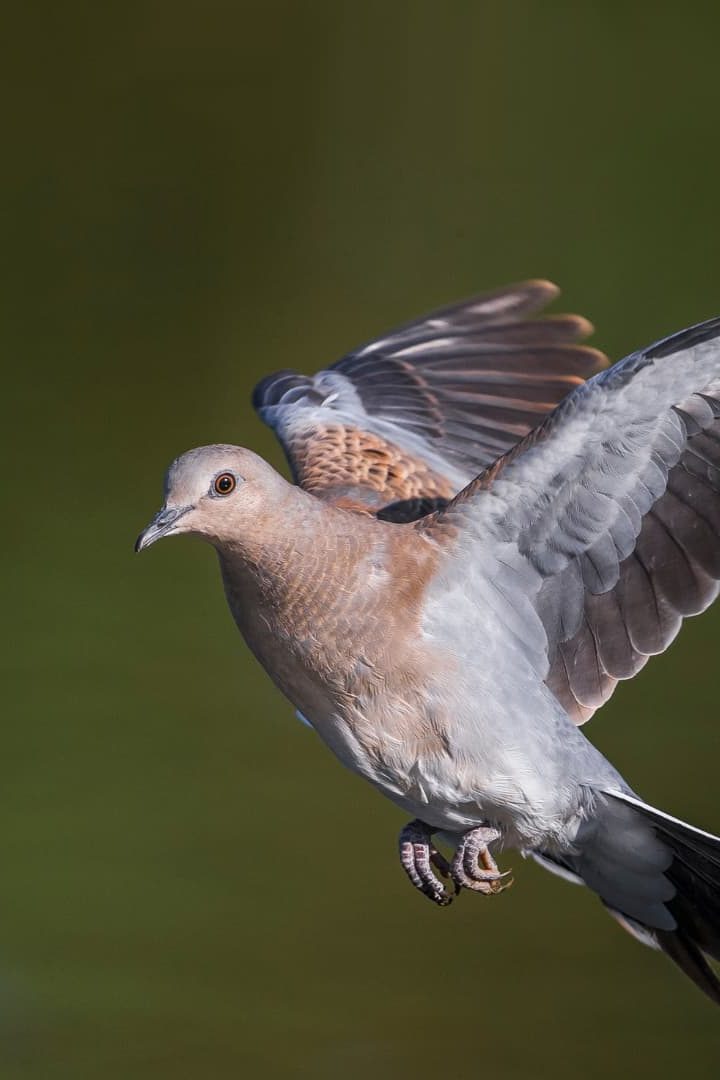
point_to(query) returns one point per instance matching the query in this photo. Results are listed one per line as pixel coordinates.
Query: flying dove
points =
(488, 528)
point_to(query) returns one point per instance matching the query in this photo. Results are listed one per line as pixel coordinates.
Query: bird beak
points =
(161, 525)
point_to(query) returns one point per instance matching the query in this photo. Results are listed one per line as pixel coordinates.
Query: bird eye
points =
(224, 483)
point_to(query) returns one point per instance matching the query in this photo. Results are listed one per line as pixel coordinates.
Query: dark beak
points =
(161, 525)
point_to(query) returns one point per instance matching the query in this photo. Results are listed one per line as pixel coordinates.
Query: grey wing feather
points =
(612, 507)
(451, 392)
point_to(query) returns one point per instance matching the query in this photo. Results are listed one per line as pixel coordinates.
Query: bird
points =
(487, 527)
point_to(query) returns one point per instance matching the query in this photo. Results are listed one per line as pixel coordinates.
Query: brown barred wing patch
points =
(338, 460)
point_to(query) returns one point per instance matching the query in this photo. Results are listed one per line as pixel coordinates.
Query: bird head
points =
(215, 492)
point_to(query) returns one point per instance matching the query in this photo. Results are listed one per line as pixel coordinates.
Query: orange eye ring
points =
(224, 484)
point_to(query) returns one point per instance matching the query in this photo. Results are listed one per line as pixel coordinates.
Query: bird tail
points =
(660, 878)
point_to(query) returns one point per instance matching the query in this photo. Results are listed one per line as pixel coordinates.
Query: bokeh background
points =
(195, 194)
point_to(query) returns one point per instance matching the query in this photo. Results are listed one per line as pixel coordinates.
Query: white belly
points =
(491, 770)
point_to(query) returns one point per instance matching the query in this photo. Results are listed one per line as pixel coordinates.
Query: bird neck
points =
(324, 596)
(302, 553)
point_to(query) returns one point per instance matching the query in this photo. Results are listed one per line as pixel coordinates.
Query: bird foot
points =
(418, 856)
(472, 867)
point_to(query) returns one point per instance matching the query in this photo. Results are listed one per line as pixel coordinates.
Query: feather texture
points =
(416, 414)
(615, 500)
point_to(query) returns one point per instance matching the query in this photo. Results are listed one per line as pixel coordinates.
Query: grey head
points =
(216, 492)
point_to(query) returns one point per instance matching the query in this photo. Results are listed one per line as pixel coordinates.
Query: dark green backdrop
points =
(194, 194)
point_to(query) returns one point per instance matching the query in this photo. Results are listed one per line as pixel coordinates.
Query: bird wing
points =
(409, 419)
(596, 535)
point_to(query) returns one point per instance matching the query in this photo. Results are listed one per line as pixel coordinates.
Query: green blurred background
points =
(195, 194)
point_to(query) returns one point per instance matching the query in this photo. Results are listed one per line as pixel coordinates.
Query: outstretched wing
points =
(410, 418)
(600, 531)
